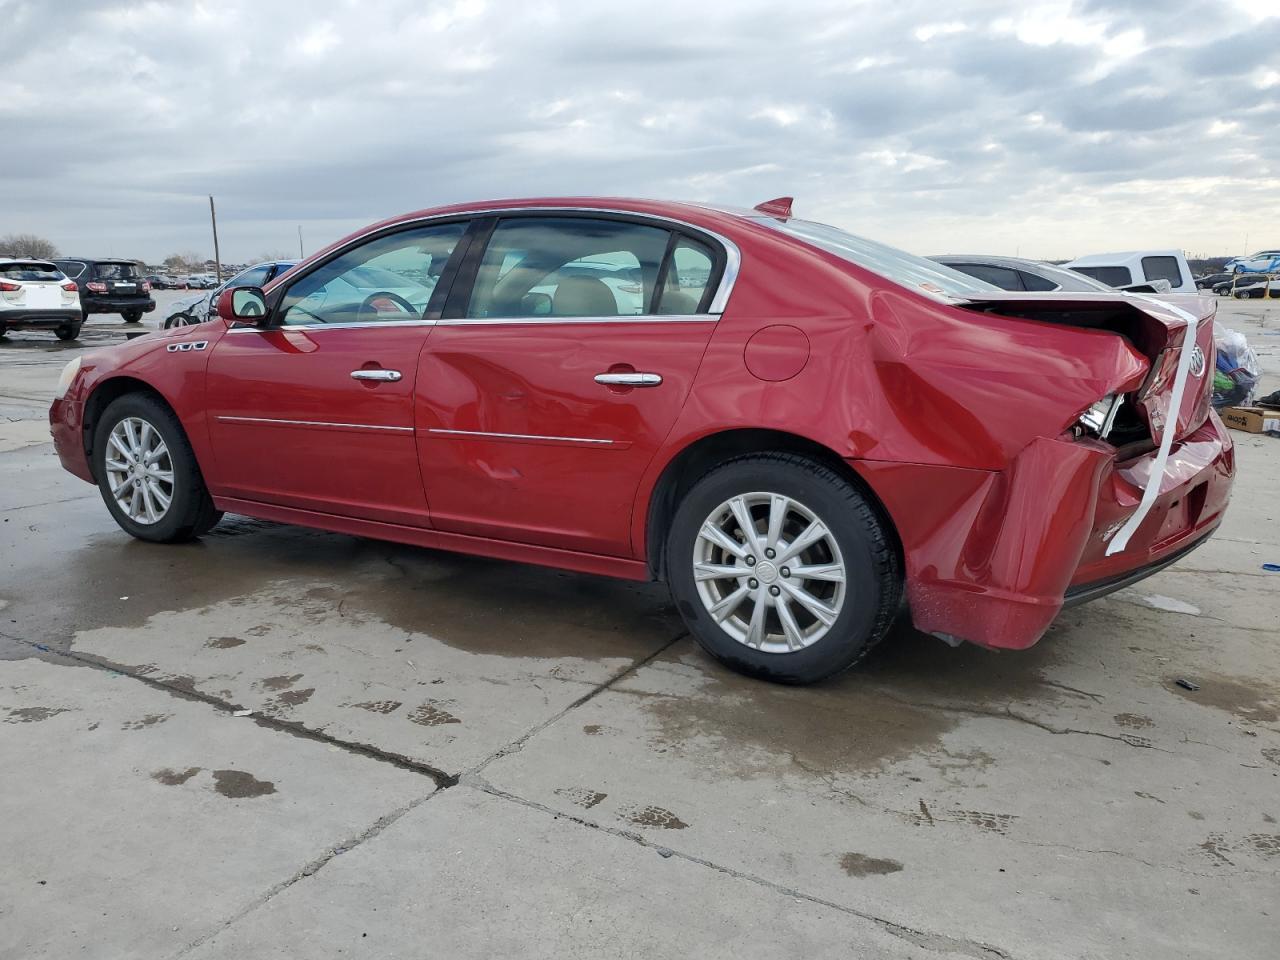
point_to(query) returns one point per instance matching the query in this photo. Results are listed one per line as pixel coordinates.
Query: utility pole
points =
(301, 255)
(217, 257)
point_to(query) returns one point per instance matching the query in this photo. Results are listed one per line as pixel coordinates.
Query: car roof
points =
(8, 259)
(1120, 257)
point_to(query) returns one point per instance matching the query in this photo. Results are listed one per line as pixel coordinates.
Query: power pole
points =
(217, 257)
(301, 255)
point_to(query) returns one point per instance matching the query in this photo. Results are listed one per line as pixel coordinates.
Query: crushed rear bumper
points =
(992, 557)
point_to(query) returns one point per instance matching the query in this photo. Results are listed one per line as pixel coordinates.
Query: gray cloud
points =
(1053, 129)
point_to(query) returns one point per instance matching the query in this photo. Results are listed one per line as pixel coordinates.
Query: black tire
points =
(191, 512)
(131, 316)
(873, 581)
(3, 329)
(68, 331)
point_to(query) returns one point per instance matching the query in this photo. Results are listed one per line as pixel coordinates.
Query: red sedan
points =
(801, 431)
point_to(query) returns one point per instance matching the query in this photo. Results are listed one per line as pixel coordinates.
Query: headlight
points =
(1098, 419)
(68, 375)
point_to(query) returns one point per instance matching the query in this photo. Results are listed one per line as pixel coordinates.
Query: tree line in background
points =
(39, 248)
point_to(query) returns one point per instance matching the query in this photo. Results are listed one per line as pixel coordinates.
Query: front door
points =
(315, 409)
(561, 363)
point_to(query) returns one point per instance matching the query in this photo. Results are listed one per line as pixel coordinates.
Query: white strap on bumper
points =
(1121, 539)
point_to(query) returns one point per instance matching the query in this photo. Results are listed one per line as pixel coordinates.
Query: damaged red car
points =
(803, 432)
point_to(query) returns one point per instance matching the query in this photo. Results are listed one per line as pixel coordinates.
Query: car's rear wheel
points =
(782, 569)
(131, 316)
(148, 473)
(68, 331)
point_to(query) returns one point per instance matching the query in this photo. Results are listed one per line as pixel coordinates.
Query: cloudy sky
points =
(1039, 127)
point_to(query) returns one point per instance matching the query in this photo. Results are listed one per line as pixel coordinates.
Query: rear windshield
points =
(1111, 276)
(118, 271)
(35, 270)
(915, 273)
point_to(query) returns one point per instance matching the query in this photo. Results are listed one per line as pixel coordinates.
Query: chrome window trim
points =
(334, 326)
(315, 423)
(516, 436)
(719, 302)
(631, 318)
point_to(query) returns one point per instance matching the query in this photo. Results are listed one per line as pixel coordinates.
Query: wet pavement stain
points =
(992, 822)
(173, 778)
(581, 796)
(1134, 721)
(1267, 844)
(293, 698)
(377, 706)
(651, 816)
(860, 865)
(431, 714)
(225, 643)
(33, 714)
(239, 785)
(1241, 696)
(150, 720)
(592, 729)
(278, 683)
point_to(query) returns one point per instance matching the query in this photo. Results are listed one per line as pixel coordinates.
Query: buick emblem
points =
(1197, 362)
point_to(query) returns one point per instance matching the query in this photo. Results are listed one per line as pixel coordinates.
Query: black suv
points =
(109, 286)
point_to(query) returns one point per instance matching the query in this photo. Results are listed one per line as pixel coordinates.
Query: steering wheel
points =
(378, 303)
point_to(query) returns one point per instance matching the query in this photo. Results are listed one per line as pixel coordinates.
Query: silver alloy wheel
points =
(769, 572)
(139, 470)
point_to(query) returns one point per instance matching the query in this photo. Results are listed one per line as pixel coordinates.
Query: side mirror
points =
(245, 304)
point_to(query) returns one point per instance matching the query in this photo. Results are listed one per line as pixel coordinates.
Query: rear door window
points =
(687, 282)
(1162, 268)
(569, 267)
(72, 268)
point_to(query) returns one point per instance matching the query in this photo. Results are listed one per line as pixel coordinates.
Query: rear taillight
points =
(96, 286)
(70, 286)
(8, 287)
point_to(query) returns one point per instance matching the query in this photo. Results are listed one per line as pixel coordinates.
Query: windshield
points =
(118, 271)
(33, 271)
(915, 273)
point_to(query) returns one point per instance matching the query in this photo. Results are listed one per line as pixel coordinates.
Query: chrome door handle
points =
(629, 379)
(384, 375)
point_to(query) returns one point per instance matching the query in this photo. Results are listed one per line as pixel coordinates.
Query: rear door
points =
(563, 358)
(315, 411)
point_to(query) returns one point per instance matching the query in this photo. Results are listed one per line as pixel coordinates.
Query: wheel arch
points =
(707, 452)
(102, 396)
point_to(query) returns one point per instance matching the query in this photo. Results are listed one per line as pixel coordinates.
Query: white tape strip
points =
(1121, 539)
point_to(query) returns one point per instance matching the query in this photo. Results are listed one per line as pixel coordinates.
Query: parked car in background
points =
(199, 308)
(36, 295)
(800, 430)
(1264, 261)
(109, 286)
(164, 281)
(1015, 273)
(201, 281)
(1248, 288)
(1137, 266)
(1211, 280)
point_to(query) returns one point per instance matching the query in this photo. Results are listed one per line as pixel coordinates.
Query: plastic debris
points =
(241, 713)
(1236, 369)
(1171, 605)
(1186, 684)
(1271, 567)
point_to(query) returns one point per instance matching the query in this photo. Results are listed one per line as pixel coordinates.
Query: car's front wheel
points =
(132, 316)
(148, 473)
(782, 569)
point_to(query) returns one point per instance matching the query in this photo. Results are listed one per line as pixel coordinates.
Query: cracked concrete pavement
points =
(280, 743)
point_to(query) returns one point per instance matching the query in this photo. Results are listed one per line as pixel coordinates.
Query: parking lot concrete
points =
(279, 742)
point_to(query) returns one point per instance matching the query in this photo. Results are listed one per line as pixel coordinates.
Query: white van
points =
(1137, 266)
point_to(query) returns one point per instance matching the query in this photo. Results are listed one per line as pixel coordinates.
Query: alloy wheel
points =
(769, 572)
(139, 470)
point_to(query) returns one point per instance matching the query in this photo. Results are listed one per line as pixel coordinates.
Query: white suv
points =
(35, 294)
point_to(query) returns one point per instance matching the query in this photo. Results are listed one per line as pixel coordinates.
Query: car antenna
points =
(778, 207)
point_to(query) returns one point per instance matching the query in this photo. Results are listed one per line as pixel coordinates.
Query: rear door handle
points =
(384, 375)
(629, 379)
